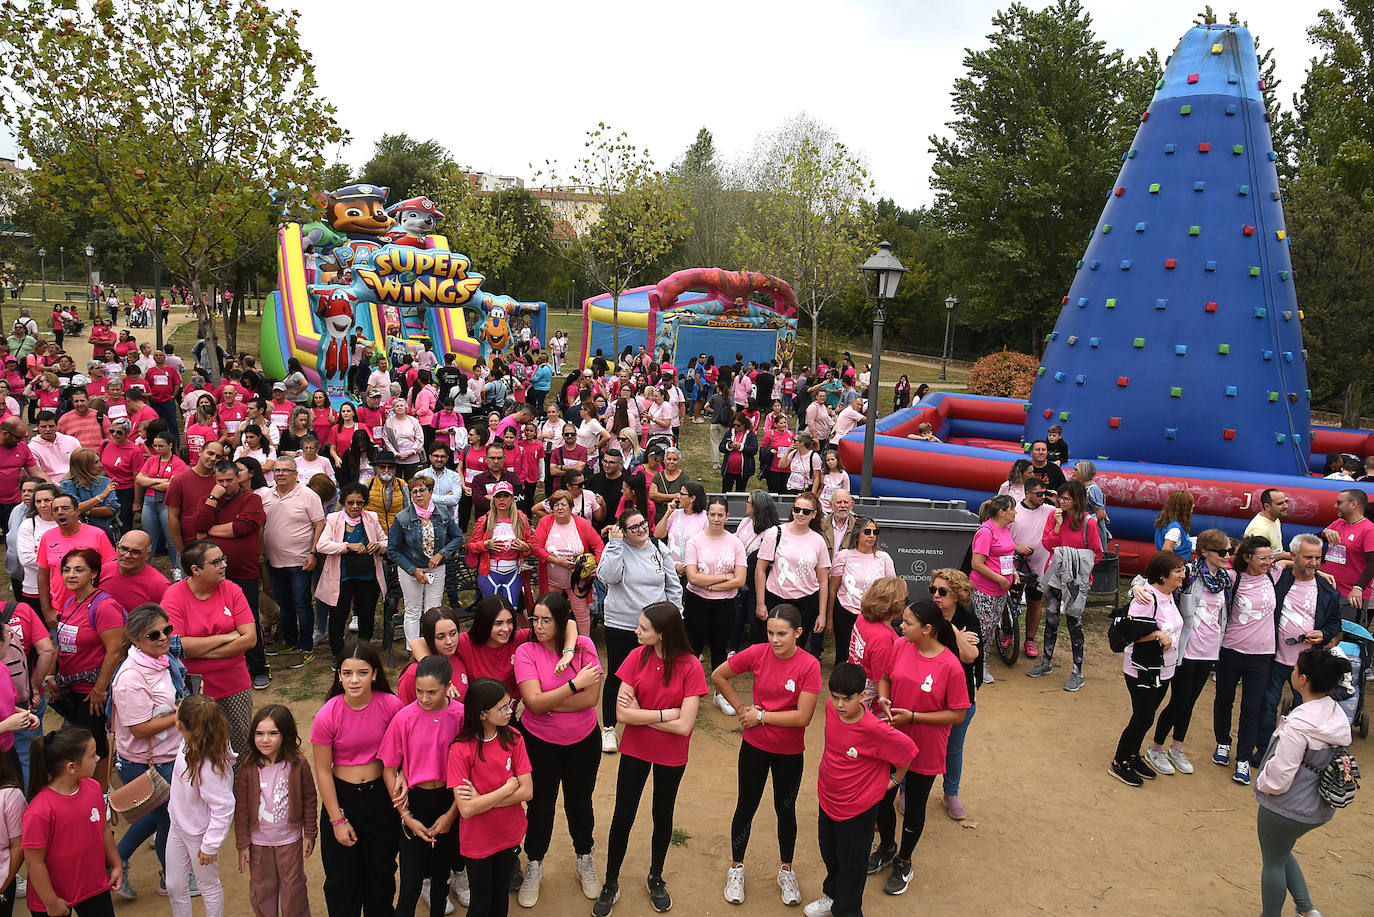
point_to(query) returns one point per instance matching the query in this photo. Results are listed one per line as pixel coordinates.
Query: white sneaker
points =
(734, 885)
(723, 705)
(424, 893)
(820, 907)
(1159, 760)
(1180, 761)
(787, 881)
(586, 871)
(529, 889)
(608, 745)
(987, 676)
(353, 624)
(458, 887)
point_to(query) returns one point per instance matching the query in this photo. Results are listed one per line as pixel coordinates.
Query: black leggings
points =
(1251, 671)
(1145, 700)
(574, 768)
(629, 787)
(913, 822)
(619, 645)
(422, 860)
(1053, 606)
(361, 879)
(755, 765)
(101, 905)
(843, 625)
(708, 623)
(1184, 689)
(489, 882)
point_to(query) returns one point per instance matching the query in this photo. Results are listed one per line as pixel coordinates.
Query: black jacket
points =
(751, 447)
(1327, 618)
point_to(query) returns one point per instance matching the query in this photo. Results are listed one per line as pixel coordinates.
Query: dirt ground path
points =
(1048, 832)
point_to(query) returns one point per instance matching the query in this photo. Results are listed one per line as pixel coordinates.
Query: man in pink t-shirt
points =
(130, 578)
(71, 533)
(295, 519)
(1350, 550)
(16, 463)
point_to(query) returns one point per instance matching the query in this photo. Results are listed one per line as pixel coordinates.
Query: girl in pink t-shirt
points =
(489, 773)
(661, 685)
(561, 738)
(786, 686)
(274, 815)
(994, 570)
(715, 565)
(1247, 649)
(794, 565)
(414, 755)
(923, 694)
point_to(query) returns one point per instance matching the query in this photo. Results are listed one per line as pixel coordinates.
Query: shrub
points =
(1007, 374)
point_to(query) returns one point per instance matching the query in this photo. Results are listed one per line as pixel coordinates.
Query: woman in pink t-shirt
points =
(1248, 644)
(358, 848)
(203, 427)
(923, 694)
(561, 739)
(339, 436)
(786, 686)
(994, 570)
(144, 723)
(857, 565)
(715, 566)
(90, 638)
(661, 685)
(794, 566)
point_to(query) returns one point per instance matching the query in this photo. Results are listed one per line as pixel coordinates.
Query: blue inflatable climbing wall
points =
(1180, 340)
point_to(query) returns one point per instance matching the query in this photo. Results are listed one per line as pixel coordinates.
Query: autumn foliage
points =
(1006, 374)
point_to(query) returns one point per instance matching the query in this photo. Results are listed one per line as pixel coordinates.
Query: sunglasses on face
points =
(1226, 552)
(164, 634)
(941, 591)
(802, 511)
(868, 532)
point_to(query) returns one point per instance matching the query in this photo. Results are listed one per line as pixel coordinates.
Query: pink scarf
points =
(424, 512)
(142, 659)
(353, 520)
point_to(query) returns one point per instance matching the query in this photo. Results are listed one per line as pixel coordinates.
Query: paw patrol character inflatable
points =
(335, 307)
(494, 333)
(418, 218)
(358, 212)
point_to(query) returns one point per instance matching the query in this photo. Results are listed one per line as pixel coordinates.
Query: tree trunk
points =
(1354, 398)
(233, 316)
(615, 328)
(814, 358)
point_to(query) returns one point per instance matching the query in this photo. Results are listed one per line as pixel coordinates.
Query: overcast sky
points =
(522, 81)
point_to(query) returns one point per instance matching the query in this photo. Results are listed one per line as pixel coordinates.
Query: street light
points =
(62, 262)
(951, 304)
(90, 283)
(43, 270)
(887, 273)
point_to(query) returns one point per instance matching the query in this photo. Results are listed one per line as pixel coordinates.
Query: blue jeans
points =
(24, 737)
(155, 824)
(291, 586)
(155, 524)
(167, 410)
(1279, 675)
(954, 752)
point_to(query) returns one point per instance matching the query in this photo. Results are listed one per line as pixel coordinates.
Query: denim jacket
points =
(403, 543)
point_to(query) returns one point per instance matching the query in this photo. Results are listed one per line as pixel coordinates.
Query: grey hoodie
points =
(635, 578)
(1304, 737)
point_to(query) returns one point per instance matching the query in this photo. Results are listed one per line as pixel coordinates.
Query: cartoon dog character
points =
(418, 218)
(359, 211)
(335, 306)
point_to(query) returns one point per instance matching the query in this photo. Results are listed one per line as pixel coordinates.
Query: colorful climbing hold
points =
(1247, 230)
(1176, 391)
(1204, 147)
(1194, 230)
(1223, 349)
(1254, 271)
(1228, 434)
(1211, 307)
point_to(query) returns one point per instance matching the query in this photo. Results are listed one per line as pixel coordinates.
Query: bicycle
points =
(1008, 631)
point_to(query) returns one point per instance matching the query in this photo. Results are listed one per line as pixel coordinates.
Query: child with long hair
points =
(489, 773)
(274, 824)
(358, 849)
(70, 851)
(923, 694)
(414, 754)
(201, 807)
(661, 686)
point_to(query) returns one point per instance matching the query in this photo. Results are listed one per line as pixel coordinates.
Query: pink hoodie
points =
(1314, 725)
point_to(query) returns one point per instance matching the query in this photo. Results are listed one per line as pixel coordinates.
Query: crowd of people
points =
(500, 517)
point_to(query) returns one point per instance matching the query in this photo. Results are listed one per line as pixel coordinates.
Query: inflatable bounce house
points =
(1177, 360)
(695, 311)
(383, 275)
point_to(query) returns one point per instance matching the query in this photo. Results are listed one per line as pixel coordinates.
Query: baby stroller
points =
(72, 326)
(1358, 646)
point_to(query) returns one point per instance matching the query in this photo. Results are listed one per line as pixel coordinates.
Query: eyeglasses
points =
(941, 591)
(505, 709)
(637, 527)
(802, 511)
(164, 634)
(123, 549)
(220, 561)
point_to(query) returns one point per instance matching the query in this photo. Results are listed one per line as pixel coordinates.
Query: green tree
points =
(188, 124)
(1041, 118)
(626, 214)
(1329, 206)
(714, 208)
(810, 220)
(405, 165)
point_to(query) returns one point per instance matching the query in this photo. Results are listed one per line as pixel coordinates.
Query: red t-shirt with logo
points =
(856, 761)
(491, 661)
(221, 612)
(778, 686)
(643, 671)
(70, 830)
(488, 766)
(926, 685)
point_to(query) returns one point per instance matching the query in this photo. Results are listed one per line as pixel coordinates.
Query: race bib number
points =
(1008, 564)
(1335, 554)
(66, 638)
